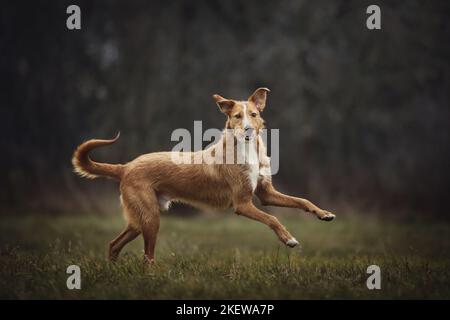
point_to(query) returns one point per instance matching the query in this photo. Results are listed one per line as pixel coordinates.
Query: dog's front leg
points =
(249, 210)
(271, 197)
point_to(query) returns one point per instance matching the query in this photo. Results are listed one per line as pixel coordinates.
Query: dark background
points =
(363, 115)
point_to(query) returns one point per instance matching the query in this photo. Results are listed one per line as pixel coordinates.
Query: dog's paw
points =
(326, 216)
(148, 261)
(292, 242)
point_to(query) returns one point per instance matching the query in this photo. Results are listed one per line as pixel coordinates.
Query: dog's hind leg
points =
(127, 235)
(143, 213)
(150, 230)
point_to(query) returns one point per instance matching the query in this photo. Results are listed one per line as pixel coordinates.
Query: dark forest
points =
(363, 115)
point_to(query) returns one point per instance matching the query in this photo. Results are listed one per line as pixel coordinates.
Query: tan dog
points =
(150, 182)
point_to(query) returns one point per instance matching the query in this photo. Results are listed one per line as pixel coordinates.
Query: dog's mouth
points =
(249, 138)
(248, 134)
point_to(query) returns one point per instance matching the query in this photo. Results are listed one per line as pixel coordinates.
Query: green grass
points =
(225, 256)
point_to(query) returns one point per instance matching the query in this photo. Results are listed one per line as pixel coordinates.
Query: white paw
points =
(292, 242)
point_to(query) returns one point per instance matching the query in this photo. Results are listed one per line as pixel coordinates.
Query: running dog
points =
(149, 183)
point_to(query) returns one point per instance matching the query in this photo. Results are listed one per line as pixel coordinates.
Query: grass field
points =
(225, 256)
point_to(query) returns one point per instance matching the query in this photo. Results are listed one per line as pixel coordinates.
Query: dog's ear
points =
(224, 105)
(259, 98)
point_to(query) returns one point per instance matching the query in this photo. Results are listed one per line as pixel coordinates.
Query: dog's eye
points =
(254, 114)
(237, 116)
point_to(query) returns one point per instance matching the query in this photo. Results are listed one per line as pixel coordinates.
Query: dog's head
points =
(244, 117)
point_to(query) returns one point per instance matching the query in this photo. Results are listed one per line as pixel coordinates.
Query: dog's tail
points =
(85, 167)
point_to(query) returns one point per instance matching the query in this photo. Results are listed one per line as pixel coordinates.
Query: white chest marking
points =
(253, 175)
(253, 163)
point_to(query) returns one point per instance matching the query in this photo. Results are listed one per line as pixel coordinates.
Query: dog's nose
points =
(248, 128)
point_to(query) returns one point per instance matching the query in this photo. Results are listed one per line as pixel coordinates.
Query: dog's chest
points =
(252, 175)
(252, 166)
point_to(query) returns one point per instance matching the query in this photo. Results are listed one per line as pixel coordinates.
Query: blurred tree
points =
(363, 115)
